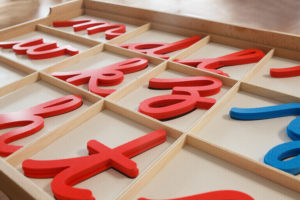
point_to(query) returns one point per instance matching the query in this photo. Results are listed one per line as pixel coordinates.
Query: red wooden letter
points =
(69, 23)
(215, 195)
(88, 25)
(32, 120)
(212, 64)
(188, 93)
(111, 30)
(105, 76)
(68, 172)
(37, 49)
(160, 49)
(92, 27)
(285, 72)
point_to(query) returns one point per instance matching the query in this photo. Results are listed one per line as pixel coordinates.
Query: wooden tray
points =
(206, 150)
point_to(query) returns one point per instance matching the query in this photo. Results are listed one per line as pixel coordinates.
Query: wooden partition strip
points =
(69, 36)
(63, 16)
(16, 65)
(91, 97)
(251, 165)
(73, 59)
(30, 26)
(288, 54)
(142, 119)
(66, 7)
(269, 93)
(187, 52)
(116, 17)
(242, 44)
(128, 53)
(193, 48)
(258, 66)
(152, 170)
(116, 96)
(192, 71)
(42, 142)
(215, 109)
(27, 80)
(187, 32)
(20, 29)
(16, 186)
(130, 34)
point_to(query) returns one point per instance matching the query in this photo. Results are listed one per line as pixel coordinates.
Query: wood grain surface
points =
(265, 14)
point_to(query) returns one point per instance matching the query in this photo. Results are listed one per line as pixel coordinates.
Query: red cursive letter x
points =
(68, 172)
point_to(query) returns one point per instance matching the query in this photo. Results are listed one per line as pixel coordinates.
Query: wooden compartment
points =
(215, 46)
(112, 130)
(249, 139)
(32, 94)
(252, 138)
(130, 23)
(286, 85)
(192, 171)
(205, 151)
(184, 122)
(9, 74)
(40, 64)
(156, 33)
(12, 181)
(103, 56)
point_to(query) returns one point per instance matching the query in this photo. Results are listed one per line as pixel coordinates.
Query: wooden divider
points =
(230, 37)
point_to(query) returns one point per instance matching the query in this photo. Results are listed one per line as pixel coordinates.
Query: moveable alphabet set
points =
(103, 101)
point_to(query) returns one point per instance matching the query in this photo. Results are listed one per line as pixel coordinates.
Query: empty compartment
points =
(9, 74)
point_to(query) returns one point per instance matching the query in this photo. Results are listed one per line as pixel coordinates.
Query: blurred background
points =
(280, 15)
